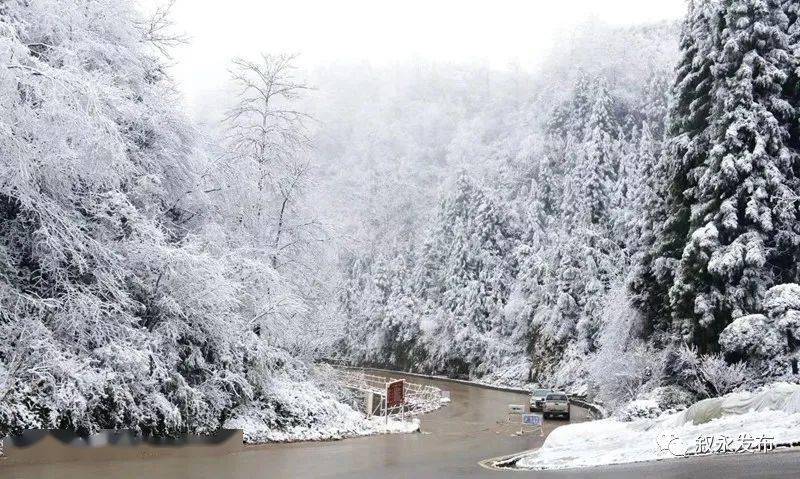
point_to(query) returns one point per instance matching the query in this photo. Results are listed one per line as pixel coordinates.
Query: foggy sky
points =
(498, 33)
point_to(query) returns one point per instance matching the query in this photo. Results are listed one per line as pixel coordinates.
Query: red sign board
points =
(395, 393)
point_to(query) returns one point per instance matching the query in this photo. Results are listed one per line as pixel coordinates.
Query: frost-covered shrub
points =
(672, 397)
(721, 377)
(752, 336)
(768, 342)
(626, 374)
(624, 367)
(296, 410)
(639, 409)
(509, 371)
(680, 367)
(702, 375)
(782, 299)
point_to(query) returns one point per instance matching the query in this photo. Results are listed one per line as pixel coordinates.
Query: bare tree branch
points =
(158, 30)
(265, 129)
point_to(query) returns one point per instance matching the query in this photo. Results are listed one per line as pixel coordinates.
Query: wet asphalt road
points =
(454, 439)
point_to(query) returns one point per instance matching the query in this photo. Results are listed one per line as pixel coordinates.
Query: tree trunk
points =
(278, 233)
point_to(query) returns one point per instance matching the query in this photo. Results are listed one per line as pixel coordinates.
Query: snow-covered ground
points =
(317, 409)
(352, 424)
(737, 422)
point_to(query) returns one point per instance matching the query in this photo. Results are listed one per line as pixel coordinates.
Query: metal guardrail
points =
(596, 410)
(419, 398)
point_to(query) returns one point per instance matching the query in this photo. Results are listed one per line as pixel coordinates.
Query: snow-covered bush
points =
(782, 299)
(624, 367)
(626, 375)
(702, 375)
(512, 370)
(752, 336)
(768, 341)
(673, 397)
(720, 376)
(639, 409)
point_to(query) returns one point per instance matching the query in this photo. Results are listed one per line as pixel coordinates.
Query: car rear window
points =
(556, 397)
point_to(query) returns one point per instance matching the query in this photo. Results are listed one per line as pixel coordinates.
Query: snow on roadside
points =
(772, 412)
(343, 422)
(305, 411)
(352, 425)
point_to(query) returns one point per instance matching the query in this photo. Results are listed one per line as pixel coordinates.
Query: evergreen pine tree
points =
(676, 174)
(571, 116)
(792, 86)
(634, 189)
(743, 222)
(729, 231)
(588, 195)
(563, 150)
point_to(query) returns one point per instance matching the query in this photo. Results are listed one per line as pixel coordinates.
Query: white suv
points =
(556, 404)
(537, 399)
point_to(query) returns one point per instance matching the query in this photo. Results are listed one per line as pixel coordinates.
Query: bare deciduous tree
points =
(265, 129)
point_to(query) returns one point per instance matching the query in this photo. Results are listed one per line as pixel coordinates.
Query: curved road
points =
(454, 439)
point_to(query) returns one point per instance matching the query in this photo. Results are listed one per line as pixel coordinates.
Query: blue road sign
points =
(532, 419)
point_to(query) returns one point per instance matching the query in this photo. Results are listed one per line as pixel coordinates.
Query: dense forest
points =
(523, 256)
(631, 203)
(645, 222)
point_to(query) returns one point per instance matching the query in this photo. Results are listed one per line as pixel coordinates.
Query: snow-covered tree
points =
(593, 178)
(634, 189)
(768, 341)
(268, 137)
(680, 166)
(571, 117)
(126, 300)
(730, 210)
(743, 234)
(93, 164)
